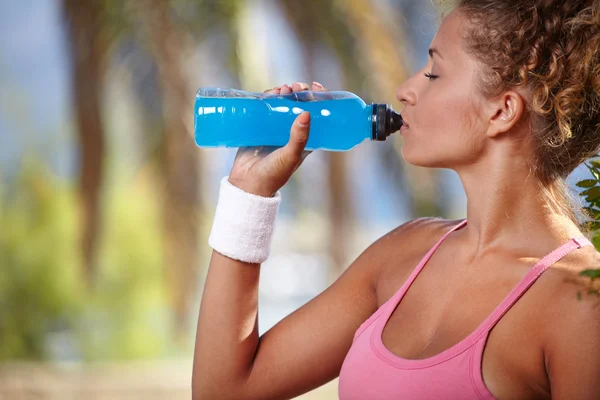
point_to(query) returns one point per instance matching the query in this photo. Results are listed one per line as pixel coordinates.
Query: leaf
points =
(593, 225)
(596, 173)
(595, 163)
(592, 193)
(591, 273)
(595, 203)
(587, 183)
(593, 212)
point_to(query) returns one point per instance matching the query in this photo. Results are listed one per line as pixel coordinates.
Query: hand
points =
(264, 170)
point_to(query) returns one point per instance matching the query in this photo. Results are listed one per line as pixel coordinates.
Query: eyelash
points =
(430, 77)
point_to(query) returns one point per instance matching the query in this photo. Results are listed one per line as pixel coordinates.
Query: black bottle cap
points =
(385, 121)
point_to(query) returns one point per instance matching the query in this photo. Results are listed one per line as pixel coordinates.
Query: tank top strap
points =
(529, 279)
(395, 299)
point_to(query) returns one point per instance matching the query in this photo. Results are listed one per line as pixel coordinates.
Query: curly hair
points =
(550, 48)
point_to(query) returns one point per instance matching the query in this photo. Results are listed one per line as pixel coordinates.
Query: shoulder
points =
(572, 306)
(568, 293)
(400, 250)
(420, 228)
(413, 236)
(395, 245)
(571, 332)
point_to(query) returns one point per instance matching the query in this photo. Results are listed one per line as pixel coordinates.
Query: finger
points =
(289, 155)
(317, 87)
(299, 86)
(326, 95)
(274, 90)
(298, 136)
(286, 89)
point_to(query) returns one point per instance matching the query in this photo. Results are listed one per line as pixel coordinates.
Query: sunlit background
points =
(106, 203)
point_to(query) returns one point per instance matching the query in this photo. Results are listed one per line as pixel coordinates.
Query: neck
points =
(507, 206)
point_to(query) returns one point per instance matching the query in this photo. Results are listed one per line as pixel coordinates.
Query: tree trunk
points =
(311, 29)
(182, 204)
(84, 19)
(379, 44)
(253, 67)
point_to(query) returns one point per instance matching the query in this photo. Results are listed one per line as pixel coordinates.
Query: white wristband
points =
(243, 224)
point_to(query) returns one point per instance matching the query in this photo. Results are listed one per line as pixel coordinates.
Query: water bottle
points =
(339, 120)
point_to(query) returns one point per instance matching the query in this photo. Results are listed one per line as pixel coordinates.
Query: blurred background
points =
(106, 203)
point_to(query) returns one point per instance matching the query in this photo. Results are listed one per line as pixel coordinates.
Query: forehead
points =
(448, 39)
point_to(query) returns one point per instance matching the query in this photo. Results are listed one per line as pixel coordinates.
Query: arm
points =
(573, 354)
(304, 350)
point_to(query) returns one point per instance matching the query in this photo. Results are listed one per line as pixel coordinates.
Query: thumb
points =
(282, 163)
(292, 151)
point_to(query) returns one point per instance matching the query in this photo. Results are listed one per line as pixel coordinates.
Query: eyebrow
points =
(434, 50)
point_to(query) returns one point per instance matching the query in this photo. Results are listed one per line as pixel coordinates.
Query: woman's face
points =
(445, 125)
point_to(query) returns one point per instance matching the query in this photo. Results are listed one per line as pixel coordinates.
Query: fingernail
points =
(287, 86)
(318, 84)
(305, 117)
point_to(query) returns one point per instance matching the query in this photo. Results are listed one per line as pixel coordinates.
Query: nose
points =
(406, 93)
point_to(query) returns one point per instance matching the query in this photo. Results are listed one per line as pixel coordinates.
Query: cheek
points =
(441, 108)
(447, 132)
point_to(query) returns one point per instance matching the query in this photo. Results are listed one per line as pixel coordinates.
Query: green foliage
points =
(591, 194)
(587, 183)
(39, 283)
(592, 273)
(124, 316)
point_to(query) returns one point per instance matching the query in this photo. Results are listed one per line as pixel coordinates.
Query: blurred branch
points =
(379, 50)
(88, 49)
(182, 205)
(378, 46)
(252, 54)
(311, 29)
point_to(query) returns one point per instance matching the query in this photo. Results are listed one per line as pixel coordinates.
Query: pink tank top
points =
(370, 371)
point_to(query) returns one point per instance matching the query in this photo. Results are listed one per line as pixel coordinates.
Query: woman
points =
(435, 309)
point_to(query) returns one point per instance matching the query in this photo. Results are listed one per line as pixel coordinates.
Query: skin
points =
(544, 347)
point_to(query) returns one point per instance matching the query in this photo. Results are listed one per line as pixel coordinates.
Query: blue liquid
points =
(336, 125)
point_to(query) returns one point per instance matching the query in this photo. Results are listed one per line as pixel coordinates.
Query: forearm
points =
(227, 331)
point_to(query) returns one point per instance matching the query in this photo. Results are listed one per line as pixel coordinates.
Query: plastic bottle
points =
(339, 120)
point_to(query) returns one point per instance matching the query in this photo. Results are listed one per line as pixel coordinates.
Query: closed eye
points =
(431, 77)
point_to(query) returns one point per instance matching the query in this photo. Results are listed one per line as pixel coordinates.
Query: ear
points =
(504, 112)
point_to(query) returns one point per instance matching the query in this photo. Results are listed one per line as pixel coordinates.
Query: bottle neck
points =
(384, 121)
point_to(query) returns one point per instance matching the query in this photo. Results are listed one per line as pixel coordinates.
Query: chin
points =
(423, 158)
(428, 156)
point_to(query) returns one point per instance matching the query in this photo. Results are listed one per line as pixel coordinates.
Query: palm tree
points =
(182, 204)
(369, 48)
(379, 44)
(307, 20)
(88, 50)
